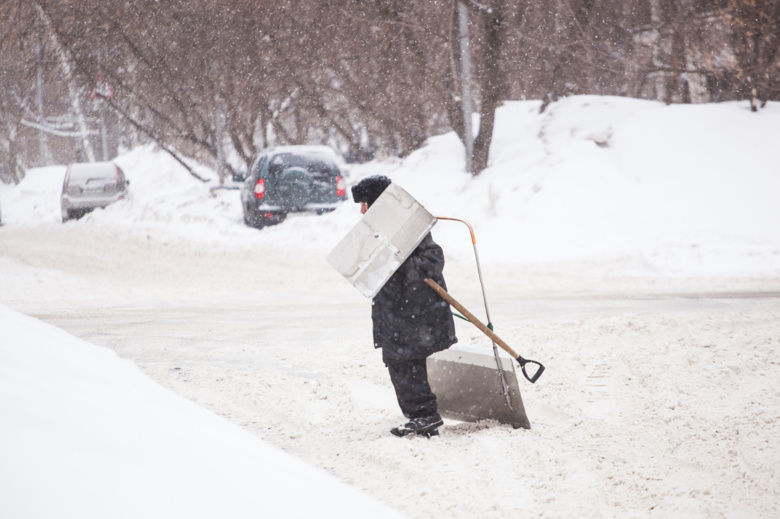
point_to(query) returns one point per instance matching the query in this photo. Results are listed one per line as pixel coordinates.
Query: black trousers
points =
(410, 380)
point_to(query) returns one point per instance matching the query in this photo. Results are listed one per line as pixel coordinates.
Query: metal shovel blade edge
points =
(468, 386)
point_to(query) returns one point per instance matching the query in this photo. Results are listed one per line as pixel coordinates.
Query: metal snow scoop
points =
(490, 390)
(381, 241)
(536, 367)
(470, 385)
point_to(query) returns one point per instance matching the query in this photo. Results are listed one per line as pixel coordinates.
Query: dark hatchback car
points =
(292, 179)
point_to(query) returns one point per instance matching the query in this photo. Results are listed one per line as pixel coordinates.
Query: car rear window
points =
(85, 172)
(321, 167)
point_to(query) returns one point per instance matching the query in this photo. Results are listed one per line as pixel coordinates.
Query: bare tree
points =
(756, 35)
(491, 88)
(74, 91)
(218, 80)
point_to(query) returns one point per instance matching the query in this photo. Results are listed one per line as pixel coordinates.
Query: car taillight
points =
(118, 178)
(260, 188)
(341, 186)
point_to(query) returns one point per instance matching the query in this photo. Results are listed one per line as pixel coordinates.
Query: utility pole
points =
(101, 94)
(42, 155)
(103, 130)
(465, 81)
(220, 135)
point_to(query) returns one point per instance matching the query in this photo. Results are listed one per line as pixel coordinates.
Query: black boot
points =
(425, 426)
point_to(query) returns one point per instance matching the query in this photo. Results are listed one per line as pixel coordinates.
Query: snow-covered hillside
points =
(652, 189)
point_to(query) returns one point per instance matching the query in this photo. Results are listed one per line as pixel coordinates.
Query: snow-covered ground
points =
(631, 247)
(86, 434)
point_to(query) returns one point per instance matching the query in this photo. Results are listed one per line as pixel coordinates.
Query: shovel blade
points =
(382, 240)
(468, 387)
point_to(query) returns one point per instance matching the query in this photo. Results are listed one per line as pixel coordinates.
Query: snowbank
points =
(684, 190)
(87, 435)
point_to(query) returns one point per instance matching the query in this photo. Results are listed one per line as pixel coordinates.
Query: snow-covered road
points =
(660, 398)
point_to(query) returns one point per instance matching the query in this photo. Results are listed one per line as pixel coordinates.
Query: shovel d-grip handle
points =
(487, 331)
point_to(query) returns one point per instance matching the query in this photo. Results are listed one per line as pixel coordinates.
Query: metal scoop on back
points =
(381, 241)
(469, 384)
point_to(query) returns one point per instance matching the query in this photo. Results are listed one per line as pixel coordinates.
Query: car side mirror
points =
(127, 182)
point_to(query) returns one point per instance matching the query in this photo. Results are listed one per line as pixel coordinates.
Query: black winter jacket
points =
(411, 321)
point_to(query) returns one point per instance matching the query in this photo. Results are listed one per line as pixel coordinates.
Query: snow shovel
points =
(471, 385)
(490, 333)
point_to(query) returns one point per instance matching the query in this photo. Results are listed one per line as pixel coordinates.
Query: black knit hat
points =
(369, 189)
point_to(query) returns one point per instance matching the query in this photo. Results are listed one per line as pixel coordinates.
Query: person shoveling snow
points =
(411, 322)
(390, 256)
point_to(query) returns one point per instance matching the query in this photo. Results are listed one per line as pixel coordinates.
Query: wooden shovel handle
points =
(471, 317)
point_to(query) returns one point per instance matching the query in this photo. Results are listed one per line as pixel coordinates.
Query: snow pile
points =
(85, 434)
(685, 190)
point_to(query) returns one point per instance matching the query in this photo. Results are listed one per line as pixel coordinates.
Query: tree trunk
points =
(466, 107)
(452, 85)
(492, 82)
